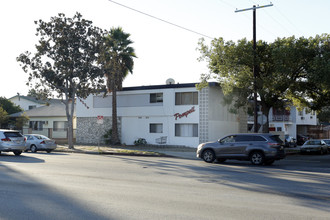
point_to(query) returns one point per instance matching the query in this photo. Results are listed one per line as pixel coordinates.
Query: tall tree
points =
(3, 117)
(281, 68)
(65, 61)
(116, 60)
(7, 108)
(317, 94)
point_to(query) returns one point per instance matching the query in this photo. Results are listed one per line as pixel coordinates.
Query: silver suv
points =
(258, 148)
(12, 141)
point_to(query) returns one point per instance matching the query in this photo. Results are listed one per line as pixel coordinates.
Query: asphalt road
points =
(81, 186)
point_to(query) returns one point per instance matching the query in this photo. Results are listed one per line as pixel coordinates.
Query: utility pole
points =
(255, 95)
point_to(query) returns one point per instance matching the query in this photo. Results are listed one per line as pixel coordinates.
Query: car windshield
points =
(327, 141)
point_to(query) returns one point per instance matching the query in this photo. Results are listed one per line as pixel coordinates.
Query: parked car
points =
(301, 139)
(11, 141)
(290, 141)
(314, 146)
(327, 141)
(258, 148)
(37, 142)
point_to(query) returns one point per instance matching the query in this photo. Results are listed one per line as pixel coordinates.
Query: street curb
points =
(115, 153)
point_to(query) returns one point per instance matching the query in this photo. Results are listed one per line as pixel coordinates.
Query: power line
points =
(195, 32)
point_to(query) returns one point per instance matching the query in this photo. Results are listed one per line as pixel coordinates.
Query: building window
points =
(300, 113)
(156, 97)
(60, 125)
(186, 98)
(36, 125)
(186, 130)
(279, 128)
(156, 128)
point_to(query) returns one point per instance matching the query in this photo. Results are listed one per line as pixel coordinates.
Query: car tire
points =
(48, 151)
(33, 148)
(208, 156)
(17, 152)
(257, 158)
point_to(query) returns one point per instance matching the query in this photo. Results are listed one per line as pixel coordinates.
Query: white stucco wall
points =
(135, 120)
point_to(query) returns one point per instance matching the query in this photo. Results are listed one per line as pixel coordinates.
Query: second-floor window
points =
(186, 98)
(156, 97)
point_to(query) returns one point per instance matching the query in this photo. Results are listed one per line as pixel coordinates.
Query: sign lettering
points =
(185, 114)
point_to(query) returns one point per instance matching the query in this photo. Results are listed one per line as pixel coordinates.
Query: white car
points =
(314, 146)
(11, 141)
(37, 142)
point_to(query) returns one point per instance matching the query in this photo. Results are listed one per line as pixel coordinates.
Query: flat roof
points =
(167, 86)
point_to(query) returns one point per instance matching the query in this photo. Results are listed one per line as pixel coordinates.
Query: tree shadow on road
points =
(305, 187)
(23, 197)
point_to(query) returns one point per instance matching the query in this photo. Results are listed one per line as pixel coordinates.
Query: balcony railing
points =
(281, 118)
(285, 118)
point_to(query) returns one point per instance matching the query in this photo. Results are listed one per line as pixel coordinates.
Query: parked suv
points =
(258, 148)
(11, 141)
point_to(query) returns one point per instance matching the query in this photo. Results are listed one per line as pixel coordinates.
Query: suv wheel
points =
(208, 156)
(257, 158)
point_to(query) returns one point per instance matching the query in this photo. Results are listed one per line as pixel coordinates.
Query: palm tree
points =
(116, 59)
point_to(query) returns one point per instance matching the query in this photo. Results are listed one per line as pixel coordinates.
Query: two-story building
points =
(293, 121)
(289, 121)
(171, 114)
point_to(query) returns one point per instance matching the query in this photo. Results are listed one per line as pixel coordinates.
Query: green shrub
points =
(140, 141)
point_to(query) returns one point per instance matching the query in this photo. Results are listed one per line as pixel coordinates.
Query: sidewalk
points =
(154, 151)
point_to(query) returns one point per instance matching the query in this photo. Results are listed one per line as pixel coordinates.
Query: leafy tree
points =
(21, 121)
(281, 70)
(40, 95)
(3, 117)
(9, 106)
(116, 60)
(317, 94)
(65, 61)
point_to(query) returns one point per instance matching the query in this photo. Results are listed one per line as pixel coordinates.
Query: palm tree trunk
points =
(114, 135)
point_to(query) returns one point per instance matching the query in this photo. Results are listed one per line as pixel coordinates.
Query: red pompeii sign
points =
(178, 115)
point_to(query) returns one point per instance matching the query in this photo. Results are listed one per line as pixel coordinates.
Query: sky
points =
(163, 50)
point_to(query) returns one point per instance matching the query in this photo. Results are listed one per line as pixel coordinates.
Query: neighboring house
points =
(28, 102)
(171, 114)
(47, 118)
(291, 122)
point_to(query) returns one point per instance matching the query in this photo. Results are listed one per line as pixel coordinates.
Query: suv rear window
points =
(276, 138)
(12, 134)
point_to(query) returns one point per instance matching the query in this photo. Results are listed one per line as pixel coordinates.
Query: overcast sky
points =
(164, 51)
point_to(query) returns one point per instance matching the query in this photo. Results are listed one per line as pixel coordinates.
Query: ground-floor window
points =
(36, 125)
(186, 130)
(60, 125)
(156, 128)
